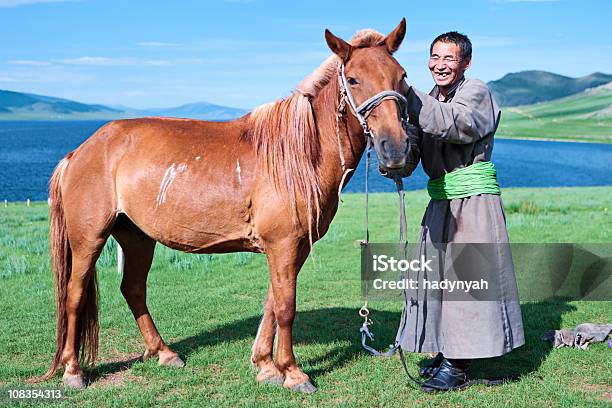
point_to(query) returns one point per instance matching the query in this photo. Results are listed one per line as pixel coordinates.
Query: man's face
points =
(446, 65)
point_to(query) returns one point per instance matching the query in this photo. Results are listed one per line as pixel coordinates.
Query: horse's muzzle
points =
(392, 156)
(402, 165)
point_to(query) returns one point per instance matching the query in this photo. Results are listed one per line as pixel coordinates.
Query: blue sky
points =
(246, 52)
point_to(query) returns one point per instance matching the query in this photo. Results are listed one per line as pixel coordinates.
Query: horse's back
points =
(186, 183)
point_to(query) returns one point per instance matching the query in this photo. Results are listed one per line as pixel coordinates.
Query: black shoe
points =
(428, 370)
(451, 375)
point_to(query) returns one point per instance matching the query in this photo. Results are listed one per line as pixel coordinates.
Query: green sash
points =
(479, 178)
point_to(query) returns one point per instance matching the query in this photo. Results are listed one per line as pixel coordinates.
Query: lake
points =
(30, 151)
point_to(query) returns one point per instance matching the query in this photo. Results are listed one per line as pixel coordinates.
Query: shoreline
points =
(550, 139)
(90, 119)
(390, 193)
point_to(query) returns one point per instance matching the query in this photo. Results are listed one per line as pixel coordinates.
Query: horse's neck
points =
(338, 145)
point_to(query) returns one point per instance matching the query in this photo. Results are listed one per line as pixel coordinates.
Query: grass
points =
(586, 116)
(207, 308)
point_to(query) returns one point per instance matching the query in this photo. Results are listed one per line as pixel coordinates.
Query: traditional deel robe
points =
(457, 133)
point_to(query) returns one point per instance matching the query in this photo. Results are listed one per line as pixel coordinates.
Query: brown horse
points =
(267, 182)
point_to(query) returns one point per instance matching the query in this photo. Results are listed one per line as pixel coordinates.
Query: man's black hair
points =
(464, 43)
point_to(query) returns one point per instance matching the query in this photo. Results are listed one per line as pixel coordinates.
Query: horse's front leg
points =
(285, 260)
(264, 345)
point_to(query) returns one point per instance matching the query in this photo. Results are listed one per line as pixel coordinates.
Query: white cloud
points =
(17, 3)
(110, 61)
(34, 63)
(106, 61)
(46, 75)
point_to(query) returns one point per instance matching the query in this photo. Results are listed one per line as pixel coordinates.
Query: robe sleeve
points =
(471, 115)
(414, 152)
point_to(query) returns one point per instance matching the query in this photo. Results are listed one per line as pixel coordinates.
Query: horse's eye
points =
(352, 81)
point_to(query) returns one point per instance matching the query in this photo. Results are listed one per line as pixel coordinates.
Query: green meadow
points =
(586, 116)
(207, 307)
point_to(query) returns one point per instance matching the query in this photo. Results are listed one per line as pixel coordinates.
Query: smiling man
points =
(456, 123)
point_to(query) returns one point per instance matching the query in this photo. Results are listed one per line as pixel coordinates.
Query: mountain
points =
(199, 110)
(586, 115)
(528, 87)
(26, 106)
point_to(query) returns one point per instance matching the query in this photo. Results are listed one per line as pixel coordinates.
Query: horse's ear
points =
(395, 38)
(340, 47)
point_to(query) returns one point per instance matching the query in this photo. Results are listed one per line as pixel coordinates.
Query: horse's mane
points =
(285, 132)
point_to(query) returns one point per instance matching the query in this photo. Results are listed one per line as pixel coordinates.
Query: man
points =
(456, 123)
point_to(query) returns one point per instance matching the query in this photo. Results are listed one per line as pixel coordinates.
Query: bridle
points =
(362, 112)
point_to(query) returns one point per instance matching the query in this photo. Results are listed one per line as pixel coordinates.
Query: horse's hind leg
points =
(264, 345)
(81, 312)
(138, 250)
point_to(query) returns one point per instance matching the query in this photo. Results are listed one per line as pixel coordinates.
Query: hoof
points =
(270, 374)
(175, 361)
(305, 388)
(73, 381)
(274, 380)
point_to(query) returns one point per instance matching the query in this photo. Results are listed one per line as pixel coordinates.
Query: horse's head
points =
(375, 86)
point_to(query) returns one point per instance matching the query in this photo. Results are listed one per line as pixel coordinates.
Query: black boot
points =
(451, 375)
(428, 370)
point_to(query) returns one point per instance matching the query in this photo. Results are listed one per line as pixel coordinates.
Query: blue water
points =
(30, 150)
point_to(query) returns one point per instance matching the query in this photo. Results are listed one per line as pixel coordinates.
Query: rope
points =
(478, 178)
(364, 311)
(367, 172)
(339, 113)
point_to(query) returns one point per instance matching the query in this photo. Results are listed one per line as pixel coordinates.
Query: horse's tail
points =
(61, 263)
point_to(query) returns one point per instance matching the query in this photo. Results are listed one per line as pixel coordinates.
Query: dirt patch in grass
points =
(117, 378)
(602, 392)
(115, 370)
(215, 368)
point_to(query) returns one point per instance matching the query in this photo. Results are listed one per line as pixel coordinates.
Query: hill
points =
(583, 116)
(199, 110)
(26, 106)
(528, 87)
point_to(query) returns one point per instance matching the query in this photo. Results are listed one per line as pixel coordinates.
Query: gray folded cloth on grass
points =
(580, 337)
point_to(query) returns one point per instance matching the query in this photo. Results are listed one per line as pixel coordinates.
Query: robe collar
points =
(435, 92)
